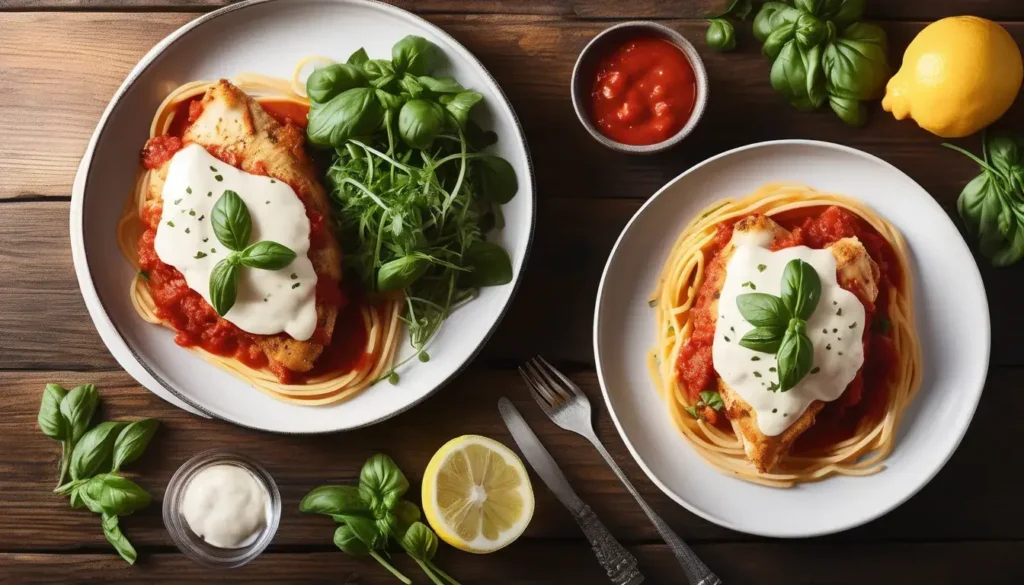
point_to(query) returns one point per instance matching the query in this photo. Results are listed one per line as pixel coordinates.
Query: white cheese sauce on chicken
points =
(835, 329)
(268, 301)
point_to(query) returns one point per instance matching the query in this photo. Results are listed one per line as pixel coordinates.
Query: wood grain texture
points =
(566, 563)
(34, 519)
(552, 312)
(597, 9)
(39, 154)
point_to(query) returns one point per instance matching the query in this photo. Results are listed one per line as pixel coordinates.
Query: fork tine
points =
(551, 393)
(565, 379)
(541, 399)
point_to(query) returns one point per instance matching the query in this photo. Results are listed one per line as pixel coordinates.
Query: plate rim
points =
(126, 355)
(875, 514)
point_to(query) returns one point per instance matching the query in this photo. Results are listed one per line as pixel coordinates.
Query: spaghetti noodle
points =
(861, 452)
(379, 320)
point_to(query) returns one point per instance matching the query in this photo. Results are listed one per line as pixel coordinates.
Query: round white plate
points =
(270, 37)
(952, 321)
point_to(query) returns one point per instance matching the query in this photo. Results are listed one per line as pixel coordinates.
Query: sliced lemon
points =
(476, 494)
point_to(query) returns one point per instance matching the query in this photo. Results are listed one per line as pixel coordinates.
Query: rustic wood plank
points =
(536, 563)
(552, 313)
(33, 519)
(39, 154)
(604, 9)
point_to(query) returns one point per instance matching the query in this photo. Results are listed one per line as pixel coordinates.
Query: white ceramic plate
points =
(956, 350)
(270, 37)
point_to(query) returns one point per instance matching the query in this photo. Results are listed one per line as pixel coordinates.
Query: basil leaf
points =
(333, 500)
(795, 356)
(266, 255)
(419, 541)
(440, 84)
(763, 310)
(763, 339)
(224, 286)
(416, 55)
(851, 111)
(112, 494)
(460, 104)
(405, 514)
(721, 35)
(356, 112)
(411, 86)
(389, 101)
(801, 289)
(420, 122)
(77, 408)
(94, 453)
(400, 273)
(712, 399)
(490, 263)
(382, 477)
(365, 529)
(498, 182)
(112, 530)
(76, 499)
(231, 221)
(346, 540)
(380, 72)
(358, 58)
(50, 420)
(693, 411)
(325, 83)
(771, 16)
(133, 440)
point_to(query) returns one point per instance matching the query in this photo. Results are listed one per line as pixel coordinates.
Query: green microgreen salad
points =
(232, 225)
(780, 323)
(373, 515)
(93, 458)
(414, 191)
(992, 204)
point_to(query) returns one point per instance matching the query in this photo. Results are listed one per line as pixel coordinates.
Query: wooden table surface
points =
(60, 62)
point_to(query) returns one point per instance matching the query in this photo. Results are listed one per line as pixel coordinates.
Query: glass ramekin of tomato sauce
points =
(639, 87)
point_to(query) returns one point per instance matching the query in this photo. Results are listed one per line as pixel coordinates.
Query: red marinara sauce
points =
(866, 395)
(196, 323)
(644, 92)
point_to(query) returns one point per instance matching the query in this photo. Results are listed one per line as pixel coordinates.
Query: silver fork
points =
(568, 407)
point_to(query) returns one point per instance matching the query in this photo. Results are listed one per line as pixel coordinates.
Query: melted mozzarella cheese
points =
(268, 301)
(835, 330)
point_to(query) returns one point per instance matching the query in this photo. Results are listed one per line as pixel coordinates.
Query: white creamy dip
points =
(225, 505)
(835, 329)
(268, 301)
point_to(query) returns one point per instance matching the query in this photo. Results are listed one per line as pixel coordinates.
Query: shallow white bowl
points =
(952, 322)
(270, 37)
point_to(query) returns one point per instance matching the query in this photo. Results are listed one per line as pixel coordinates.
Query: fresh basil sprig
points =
(94, 456)
(708, 399)
(232, 225)
(374, 514)
(780, 323)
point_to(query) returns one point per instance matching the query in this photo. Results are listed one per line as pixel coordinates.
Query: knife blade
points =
(619, 563)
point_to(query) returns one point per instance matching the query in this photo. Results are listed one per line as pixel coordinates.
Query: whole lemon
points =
(959, 75)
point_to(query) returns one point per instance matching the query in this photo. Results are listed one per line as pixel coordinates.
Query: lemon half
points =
(476, 494)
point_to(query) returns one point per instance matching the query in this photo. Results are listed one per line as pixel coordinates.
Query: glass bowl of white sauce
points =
(222, 509)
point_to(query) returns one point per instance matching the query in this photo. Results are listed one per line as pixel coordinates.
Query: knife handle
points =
(613, 557)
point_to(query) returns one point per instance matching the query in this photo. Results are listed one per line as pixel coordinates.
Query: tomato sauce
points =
(286, 111)
(196, 323)
(644, 92)
(866, 396)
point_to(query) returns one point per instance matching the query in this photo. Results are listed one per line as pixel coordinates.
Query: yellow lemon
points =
(476, 494)
(959, 75)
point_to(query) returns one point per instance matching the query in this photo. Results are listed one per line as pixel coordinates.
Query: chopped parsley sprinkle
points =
(192, 212)
(757, 374)
(200, 254)
(209, 193)
(829, 347)
(188, 231)
(772, 369)
(815, 370)
(755, 359)
(774, 410)
(188, 190)
(834, 330)
(839, 313)
(296, 285)
(824, 330)
(202, 217)
(733, 329)
(177, 201)
(213, 250)
(170, 223)
(761, 267)
(749, 285)
(785, 414)
(773, 387)
(652, 303)
(144, 274)
(206, 239)
(852, 325)
(840, 353)
(839, 339)
(272, 181)
(294, 276)
(268, 202)
(214, 169)
(726, 338)
(835, 303)
(218, 177)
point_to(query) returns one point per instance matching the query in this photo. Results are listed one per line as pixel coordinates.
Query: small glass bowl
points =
(189, 542)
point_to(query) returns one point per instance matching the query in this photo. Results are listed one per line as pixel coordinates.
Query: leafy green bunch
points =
(414, 192)
(780, 323)
(373, 514)
(821, 53)
(992, 204)
(94, 457)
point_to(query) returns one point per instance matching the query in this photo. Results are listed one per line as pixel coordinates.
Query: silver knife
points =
(616, 560)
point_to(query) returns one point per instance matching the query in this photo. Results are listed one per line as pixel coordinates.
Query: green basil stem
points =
(462, 172)
(390, 568)
(971, 156)
(369, 149)
(65, 460)
(426, 569)
(448, 577)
